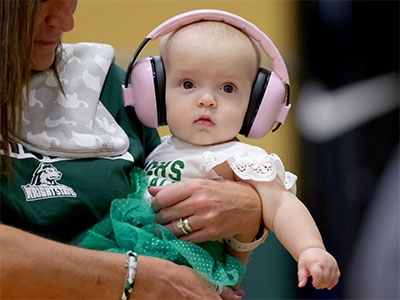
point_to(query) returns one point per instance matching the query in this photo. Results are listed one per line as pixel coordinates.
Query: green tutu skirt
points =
(131, 226)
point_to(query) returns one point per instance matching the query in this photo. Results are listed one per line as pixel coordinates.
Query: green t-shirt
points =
(81, 190)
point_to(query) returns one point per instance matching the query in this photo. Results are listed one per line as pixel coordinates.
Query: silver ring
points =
(183, 224)
(219, 288)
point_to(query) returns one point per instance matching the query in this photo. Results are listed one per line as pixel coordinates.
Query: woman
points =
(65, 156)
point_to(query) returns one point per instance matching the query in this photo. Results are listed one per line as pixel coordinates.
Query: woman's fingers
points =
(221, 209)
(196, 237)
(185, 227)
(196, 234)
(170, 281)
(171, 194)
(175, 212)
(229, 294)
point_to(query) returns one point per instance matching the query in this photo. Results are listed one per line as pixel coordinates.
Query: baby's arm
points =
(295, 228)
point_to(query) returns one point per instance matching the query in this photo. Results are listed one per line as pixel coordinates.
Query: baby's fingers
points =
(302, 276)
(321, 265)
(324, 277)
(317, 274)
(334, 278)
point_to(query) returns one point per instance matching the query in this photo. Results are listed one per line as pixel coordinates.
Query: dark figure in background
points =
(351, 54)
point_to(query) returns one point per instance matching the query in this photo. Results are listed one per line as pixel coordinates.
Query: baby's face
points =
(208, 84)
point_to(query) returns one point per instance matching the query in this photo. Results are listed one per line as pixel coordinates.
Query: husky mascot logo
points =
(44, 184)
(46, 174)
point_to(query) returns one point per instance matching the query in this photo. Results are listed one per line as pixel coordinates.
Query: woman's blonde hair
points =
(17, 21)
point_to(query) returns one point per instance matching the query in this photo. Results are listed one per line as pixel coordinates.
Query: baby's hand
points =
(319, 264)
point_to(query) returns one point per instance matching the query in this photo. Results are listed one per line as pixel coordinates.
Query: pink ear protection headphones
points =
(269, 98)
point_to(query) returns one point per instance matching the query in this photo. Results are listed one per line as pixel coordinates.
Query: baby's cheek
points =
(176, 121)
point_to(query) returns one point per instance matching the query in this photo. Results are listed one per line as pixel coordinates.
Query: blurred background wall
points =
(342, 58)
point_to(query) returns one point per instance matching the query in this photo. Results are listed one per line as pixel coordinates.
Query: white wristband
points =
(246, 247)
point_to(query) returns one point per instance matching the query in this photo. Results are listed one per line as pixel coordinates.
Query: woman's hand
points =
(215, 209)
(160, 279)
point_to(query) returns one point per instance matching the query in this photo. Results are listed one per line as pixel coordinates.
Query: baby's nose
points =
(207, 100)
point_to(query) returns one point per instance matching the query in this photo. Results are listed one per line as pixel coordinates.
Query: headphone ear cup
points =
(272, 107)
(256, 96)
(147, 91)
(159, 86)
(266, 105)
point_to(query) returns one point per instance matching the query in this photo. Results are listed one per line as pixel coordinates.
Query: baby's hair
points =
(213, 29)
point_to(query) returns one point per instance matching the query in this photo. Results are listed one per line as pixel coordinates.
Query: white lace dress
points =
(174, 160)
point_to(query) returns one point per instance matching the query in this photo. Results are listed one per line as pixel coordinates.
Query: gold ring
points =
(183, 224)
(186, 225)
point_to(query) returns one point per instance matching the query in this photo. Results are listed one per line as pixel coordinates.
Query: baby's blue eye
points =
(187, 85)
(228, 88)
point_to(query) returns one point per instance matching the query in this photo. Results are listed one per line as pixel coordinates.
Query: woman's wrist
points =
(131, 266)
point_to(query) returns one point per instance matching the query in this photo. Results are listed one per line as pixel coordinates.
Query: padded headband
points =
(194, 16)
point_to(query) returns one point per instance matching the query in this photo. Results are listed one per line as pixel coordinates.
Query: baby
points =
(210, 68)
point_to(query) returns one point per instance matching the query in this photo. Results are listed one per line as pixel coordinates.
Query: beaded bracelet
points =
(131, 265)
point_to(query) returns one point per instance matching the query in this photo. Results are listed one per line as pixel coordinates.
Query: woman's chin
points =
(42, 63)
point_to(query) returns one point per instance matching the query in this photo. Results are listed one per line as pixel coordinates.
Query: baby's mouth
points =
(204, 121)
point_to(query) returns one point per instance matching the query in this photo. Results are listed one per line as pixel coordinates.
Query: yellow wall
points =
(124, 24)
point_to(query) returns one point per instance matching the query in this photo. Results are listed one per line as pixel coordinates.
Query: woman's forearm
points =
(35, 267)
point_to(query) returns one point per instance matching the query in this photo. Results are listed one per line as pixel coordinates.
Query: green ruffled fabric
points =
(131, 226)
